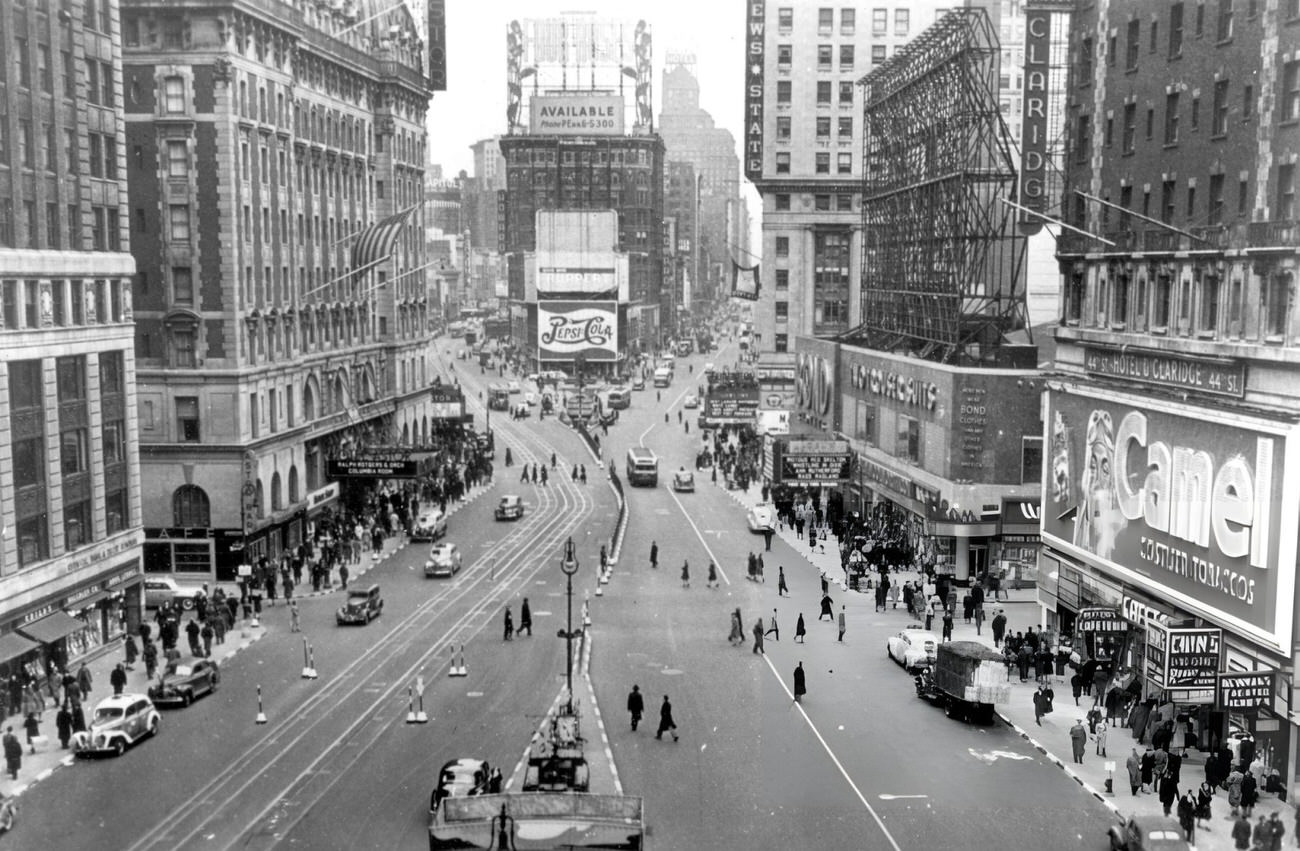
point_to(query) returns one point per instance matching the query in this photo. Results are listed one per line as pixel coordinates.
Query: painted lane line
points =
(889, 837)
(888, 797)
(700, 535)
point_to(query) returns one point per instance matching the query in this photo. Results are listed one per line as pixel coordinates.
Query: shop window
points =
(190, 507)
(908, 440)
(192, 558)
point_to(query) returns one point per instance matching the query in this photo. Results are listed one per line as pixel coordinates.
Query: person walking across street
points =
(947, 625)
(654, 554)
(827, 610)
(117, 679)
(666, 723)
(737, 634)
(1078, 740)
(799, 630)
(781, 589)
(713, 575)
(800, 686)
(509, 626)
(635, 705)
(758, 636)
(526, 616)
(773, 630)
(686, 574)
(295, 624)
(841, 624)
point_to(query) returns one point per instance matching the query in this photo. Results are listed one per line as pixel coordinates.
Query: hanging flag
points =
(744, 282)
(375, 242)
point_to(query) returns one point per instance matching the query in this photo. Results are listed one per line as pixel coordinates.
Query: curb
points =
(71, 758)
(1088, 787)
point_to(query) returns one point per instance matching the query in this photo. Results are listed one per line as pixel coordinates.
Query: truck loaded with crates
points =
(970, 679)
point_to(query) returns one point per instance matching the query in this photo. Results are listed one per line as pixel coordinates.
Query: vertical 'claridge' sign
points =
(1033, 169)
(755, 27)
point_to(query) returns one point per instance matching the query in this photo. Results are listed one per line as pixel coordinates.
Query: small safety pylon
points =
(586, 613)
(261, 715)
(308, 661)
(421, 717)
(256, 622)
(410, 704)
(600, 591)
(458, 670)
(604, 578)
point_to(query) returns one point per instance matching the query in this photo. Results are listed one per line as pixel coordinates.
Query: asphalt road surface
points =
(861, 763)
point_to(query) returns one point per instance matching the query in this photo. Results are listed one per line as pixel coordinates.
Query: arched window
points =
(261, 500)
(276, 502)
(309, 400)
(293, 484)
(190, 507)
(406, 434)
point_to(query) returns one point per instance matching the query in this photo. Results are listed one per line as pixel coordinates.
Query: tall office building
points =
(70, 514)
(690, 135)
(584, 202)
(262, 140)
(1169, 517)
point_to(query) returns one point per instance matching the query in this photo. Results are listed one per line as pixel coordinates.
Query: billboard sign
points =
(811, 463)
(575, 115)
(1246, 690)
(1186, 503)
(731, 405)
(1184, 661)
(371, 467)
(755, 48)
(577, 254)
(566, 329)
(446, 402)
(773, 422)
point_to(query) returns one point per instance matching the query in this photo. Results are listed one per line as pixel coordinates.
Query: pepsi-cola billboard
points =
(567, 329)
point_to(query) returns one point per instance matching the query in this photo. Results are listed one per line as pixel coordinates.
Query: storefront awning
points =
(51, 628)
(13, 645)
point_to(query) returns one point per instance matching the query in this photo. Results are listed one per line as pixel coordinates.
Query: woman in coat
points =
(799, 630)
(1234, 790)
(1148, 769)
(1134, 765)
(800, 688)
(1203, 799)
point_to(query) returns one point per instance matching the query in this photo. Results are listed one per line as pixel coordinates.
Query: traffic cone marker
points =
(458, 670)
(309, 661)
(261, 715)
(410, 705)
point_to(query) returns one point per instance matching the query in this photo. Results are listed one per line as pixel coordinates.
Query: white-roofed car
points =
(430, 525)
(913, 648)
(510, 507)
(119, 722)
(692, 401)
(760, 518)
(444, 560)
(160, 589)
(684, 481)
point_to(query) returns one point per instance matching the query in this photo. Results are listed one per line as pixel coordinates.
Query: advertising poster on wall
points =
(1241, 692)
(577, 255)
(566, 329)
(1187, 503)
(575, 115)
(810, 463)
(731, 405)
(1184, 662)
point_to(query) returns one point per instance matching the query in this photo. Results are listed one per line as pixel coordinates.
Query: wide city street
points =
(860, 763)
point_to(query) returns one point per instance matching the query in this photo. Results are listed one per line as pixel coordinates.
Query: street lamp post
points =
(570, 566)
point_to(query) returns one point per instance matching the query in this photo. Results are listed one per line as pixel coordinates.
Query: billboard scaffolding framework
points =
(943, 263)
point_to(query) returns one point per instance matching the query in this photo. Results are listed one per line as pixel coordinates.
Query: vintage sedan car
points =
(684, 481)
(362, 605)
(530, 399)
(638, 383)
(514, 387)
(760, 518)
(692, 401)
(1147, 833)
(164, 589)
(912, 648)
(184, 681)
(119, 722)
(510, 507)
(430, 525)
(444, 560)
(459, 778)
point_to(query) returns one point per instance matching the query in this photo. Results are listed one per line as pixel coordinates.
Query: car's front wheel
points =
(119, 746)
(153, 727)
(187, 603)
(187, 697)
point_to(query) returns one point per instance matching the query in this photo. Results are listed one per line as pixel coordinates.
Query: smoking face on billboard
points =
(566, 329)
(1186, 502)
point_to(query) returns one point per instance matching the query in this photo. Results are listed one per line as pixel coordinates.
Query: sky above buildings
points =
(474, 105)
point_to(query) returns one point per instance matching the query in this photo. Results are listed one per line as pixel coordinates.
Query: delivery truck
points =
(971, 678)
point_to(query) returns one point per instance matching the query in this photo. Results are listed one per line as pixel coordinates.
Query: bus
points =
(456, 329)
(498, 397)
(642, 467)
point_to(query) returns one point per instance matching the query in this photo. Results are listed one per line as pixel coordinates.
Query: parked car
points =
(1147, 833)
(692, 401)
(684, 481)
(760, 518)
(164, 589)
(912, 648)
(444, 560)
(362, 605)
(119, 722)
(184, 681)
(510, 507)
(459, 778)
(430, 525)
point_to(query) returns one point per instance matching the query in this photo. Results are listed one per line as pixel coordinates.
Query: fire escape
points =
(943, 264)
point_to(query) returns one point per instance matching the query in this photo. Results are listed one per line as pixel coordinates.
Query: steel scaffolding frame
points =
(942, 262)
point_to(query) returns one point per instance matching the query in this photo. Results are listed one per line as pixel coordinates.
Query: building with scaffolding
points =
(938, 406)
(583, 209)
(1171, 421)
(262, 141)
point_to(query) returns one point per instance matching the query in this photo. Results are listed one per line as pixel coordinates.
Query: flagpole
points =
(348, 274)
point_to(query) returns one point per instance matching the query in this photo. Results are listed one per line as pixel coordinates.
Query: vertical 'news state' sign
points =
(755, 46)
(1033, 142)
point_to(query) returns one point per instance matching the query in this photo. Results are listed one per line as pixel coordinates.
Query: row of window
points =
(848, 20)
(822, 127)
(825, 90)
(1162, 303)
(1171, 199)
(32, 304)
(28, 415)
(841, 202)
(821, 162)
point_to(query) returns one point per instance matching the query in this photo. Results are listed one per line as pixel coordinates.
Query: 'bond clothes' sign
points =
(1244, 691)
(1184, 661)
(755, 49)
(575, 115)
(382, 468)
(1186, 503)
(566, 329)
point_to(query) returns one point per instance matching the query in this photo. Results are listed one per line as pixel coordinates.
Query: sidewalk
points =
(1052, 739)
